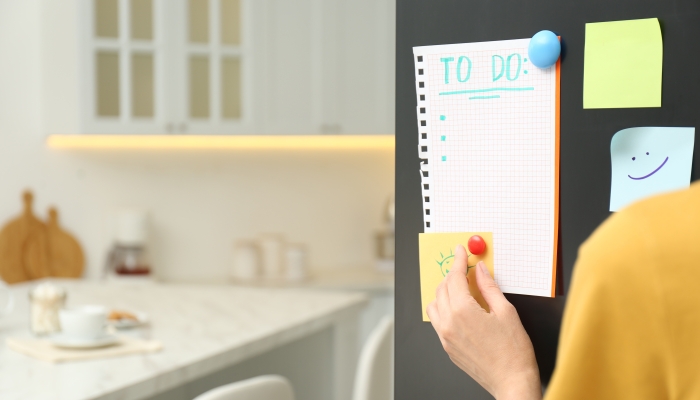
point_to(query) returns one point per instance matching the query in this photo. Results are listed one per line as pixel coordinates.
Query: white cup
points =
(85, 322)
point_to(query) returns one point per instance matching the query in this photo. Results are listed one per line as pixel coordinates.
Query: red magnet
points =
(476, 245)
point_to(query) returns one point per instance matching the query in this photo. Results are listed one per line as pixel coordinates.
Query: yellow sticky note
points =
(436, 257)
(622, 64)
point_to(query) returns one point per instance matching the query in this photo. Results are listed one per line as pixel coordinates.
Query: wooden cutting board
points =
(65, 255)
(24, 246)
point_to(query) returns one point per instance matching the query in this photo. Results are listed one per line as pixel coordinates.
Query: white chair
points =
(265, 387)
(374, 378)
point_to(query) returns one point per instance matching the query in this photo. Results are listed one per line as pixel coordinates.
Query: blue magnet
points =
(544, 49)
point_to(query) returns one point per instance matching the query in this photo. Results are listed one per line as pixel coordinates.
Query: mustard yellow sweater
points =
(631, 327)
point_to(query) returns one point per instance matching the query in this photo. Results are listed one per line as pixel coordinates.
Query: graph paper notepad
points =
(488, 123)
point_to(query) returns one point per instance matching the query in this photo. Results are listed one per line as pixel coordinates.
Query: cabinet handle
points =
(169, 127)
(183, 127)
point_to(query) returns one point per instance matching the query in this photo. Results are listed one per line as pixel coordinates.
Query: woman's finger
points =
(434, 315)
(442, 299)
(489, 288)
(458, 283)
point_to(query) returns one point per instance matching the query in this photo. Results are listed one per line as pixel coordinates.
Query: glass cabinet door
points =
(215, 64)
(124, 63)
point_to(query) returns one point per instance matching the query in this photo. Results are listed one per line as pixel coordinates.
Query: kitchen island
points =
(205, 330)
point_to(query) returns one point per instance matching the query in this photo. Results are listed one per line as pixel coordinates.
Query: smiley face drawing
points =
(648, 161)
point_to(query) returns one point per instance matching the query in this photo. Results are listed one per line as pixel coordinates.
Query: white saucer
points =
(72, 342)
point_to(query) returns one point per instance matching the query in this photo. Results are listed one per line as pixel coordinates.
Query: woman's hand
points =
(492, 347)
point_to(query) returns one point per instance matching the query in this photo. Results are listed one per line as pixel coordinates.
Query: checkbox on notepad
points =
(442, 138)
(444, 158)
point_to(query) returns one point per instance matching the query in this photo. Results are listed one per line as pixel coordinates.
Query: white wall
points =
(200, 201)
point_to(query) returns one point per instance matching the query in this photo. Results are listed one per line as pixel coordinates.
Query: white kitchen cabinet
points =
(218, 66)
(211, 66)
(360, 77)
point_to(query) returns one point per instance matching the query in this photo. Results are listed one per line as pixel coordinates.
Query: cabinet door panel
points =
(142, 85)
(123, 50)
(230, 22)
(141, 19)
(366, 31)
(231, 88)
(199, 87)
(198, 21)
(287, 72)
(107, 81)
(216, 74)
(106, 18)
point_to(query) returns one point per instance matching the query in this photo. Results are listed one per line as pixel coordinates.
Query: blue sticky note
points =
(648, 161)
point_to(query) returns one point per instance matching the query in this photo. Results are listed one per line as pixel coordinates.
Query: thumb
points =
(457, 281)
(459, 265)
(489, 288)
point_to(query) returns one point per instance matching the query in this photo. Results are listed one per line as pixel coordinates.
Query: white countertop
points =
(366, 279)
(356, 279)
(203, 328)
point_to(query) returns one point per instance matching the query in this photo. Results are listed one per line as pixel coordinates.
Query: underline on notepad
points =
(511, 89)
(485, 97)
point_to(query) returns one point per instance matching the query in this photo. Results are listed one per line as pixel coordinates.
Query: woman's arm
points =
(492, 347)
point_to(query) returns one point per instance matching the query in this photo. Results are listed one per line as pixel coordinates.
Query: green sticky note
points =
(622, 64)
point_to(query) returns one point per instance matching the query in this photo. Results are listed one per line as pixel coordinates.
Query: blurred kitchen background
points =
(223, 123)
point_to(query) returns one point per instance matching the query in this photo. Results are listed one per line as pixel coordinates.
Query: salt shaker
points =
(45, 301)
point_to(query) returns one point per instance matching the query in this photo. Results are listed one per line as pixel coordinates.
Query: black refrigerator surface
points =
(423, 370)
